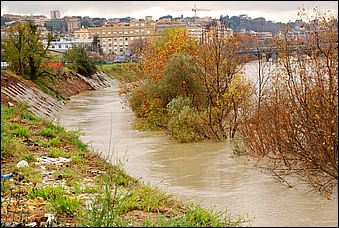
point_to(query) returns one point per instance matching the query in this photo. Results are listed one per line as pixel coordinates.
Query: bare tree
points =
(294, 132)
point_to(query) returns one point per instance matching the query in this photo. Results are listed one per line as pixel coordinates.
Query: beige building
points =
(116, 39)
(71, 23)
(55, 14)
(82, 34)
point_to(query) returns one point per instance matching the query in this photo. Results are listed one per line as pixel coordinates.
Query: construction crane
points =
(195, 12)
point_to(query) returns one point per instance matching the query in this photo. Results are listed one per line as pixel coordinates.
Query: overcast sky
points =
(278, 11)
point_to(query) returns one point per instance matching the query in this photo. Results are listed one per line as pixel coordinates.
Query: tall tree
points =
(294, 131)
(23, 49)
(79, 60)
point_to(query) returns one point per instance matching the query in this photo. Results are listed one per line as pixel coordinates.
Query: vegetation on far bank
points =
(286, 116)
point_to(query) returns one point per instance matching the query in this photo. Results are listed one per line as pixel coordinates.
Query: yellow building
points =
(116, 39)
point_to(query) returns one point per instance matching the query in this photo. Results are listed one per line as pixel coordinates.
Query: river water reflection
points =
(202, 172)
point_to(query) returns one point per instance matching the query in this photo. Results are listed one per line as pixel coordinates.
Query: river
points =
(204, 173)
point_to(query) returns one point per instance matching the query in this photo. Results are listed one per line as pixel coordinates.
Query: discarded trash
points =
(22, 163)
(20, 178)
(52, 161)
(50, 218)
(47, 172)
(6, 176)
(33, 224)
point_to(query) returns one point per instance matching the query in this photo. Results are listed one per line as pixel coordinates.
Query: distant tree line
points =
(236, 23)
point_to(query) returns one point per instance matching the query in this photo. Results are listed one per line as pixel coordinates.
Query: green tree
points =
(218, 65)
(23, 49)
(79, 60)
(96, 47)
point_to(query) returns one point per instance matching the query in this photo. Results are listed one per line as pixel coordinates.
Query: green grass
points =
(114, 194)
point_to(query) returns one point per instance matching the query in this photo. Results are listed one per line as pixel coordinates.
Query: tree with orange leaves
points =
(294, 131)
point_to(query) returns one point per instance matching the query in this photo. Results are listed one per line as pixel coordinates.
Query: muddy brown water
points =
(201, 172)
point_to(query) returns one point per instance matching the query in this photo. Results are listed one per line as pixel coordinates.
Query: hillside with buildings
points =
(113, 37)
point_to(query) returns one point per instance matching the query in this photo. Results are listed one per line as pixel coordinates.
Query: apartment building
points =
(168, 23)
(218, 31)
(65, 43)
(71, 24)
(55, 14)
(116, 39)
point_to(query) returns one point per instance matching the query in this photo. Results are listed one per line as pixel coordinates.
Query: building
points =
(55, 25)
(71, 24)
(219, 32)
(55, 14)
(116, 39)
(65, 43)
(81, 34)
(168, 23)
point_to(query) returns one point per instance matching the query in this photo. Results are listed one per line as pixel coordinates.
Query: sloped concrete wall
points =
(43, 104)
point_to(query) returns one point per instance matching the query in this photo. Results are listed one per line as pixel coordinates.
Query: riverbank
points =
(51, 178)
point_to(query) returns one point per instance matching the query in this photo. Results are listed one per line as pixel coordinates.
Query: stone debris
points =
(21, 164)
(52, 161)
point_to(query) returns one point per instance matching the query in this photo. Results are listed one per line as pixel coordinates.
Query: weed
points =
(77, 158)
(27, 156)
(66, 204)
(56, 152)
(30, 174)
(54, 141)
(48, 132)
(48, 192)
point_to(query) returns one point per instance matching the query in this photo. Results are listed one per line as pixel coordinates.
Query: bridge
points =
(272, 52)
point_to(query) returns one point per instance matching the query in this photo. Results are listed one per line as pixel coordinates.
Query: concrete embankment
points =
(41, 103)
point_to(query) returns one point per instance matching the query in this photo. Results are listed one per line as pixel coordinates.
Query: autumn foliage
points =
(175, 66)
(294, 130)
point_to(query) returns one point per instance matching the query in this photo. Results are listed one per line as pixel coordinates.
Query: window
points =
(120, 33)
(115, 33)
(103, 33)
(126, 33)
(126, 39)
(109, 33)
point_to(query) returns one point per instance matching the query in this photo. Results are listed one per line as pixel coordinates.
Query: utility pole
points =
(195, 12)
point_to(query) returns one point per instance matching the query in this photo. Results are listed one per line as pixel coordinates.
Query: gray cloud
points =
(111, 9)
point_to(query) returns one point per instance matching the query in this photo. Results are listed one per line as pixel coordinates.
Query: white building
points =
(65, 43)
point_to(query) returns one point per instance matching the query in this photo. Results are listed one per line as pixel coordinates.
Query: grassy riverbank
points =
(54, 179)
